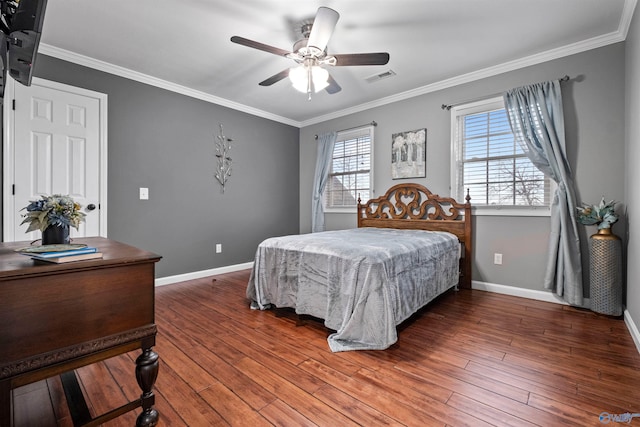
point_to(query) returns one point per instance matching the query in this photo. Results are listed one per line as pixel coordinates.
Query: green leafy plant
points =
(603, 215)
(56, 210)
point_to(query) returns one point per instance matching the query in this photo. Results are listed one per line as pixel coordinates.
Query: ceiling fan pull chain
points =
(309, 82)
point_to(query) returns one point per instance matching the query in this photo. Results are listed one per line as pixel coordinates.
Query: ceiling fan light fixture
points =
(298, 77)
(310, 52)
(320, 78)
(309, 78)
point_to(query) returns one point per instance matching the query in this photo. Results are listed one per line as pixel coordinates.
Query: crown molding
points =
(106, 67)
(627, 16)
(549, 55)
(571, 49)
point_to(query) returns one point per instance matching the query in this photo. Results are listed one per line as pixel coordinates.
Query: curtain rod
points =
(373, 123)
(448, 107)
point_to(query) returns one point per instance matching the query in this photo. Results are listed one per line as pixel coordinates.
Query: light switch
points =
(497, 259)
(144, 193)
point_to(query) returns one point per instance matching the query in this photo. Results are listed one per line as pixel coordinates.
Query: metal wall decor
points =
(223, 158)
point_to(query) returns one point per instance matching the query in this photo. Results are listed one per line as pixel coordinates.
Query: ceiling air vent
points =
(383, 75)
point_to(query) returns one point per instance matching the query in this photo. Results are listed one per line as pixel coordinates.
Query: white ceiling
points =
(184, 45)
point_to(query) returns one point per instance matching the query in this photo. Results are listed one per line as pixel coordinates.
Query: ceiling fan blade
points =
(323, 26)
(379, 58)
(275, 78)
(259, 46)
(333, 87)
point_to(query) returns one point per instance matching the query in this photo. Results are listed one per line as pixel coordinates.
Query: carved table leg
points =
(5, 403)
(146, 373)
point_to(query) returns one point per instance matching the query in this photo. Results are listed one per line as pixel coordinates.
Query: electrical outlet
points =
(497, 259)
(218, 248)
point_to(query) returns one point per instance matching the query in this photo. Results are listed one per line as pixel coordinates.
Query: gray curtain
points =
(326, 141)
(537, 120)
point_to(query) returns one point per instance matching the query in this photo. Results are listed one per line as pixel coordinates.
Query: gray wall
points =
(632, 178)
(165, 141)
(594, 111)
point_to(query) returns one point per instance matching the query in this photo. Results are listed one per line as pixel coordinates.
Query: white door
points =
(56, 144)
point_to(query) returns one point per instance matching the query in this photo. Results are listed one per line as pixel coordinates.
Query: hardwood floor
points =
(470, 358)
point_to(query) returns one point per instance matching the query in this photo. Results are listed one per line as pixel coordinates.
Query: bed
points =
(410, 246)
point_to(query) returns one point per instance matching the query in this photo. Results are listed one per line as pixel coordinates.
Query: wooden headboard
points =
(413, 206)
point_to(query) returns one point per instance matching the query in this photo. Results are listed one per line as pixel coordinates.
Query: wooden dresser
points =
(55, 318)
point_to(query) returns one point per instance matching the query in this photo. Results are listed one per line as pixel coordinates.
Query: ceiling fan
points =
(311, 54)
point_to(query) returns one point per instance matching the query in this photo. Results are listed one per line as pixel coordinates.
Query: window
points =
(489, 162)
(351, 170)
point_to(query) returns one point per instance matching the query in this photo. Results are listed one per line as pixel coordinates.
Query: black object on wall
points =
(21, 24)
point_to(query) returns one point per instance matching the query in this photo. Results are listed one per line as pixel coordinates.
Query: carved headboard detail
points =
(413, 206)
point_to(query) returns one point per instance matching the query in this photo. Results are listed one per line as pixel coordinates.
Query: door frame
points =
(8, 153)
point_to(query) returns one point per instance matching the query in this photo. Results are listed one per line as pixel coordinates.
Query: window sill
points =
(351, 210)
(508, 211)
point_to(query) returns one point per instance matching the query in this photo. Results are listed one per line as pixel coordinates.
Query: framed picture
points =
(409, 154)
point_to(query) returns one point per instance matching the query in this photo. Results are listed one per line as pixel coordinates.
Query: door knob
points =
(91, 207)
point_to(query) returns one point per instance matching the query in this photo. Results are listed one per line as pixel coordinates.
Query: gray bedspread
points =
(363, 282)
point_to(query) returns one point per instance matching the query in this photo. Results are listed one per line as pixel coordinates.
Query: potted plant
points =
(53, 216)
(603, 215)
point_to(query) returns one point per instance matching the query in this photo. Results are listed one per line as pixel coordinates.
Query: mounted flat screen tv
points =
(3, 63)
(21, 24)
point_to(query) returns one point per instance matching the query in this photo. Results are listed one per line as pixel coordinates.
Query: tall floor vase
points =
(605, 253)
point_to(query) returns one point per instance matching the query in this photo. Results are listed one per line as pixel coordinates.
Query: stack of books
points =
(62, 256)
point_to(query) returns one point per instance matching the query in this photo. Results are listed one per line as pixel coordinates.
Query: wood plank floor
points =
(470, 358)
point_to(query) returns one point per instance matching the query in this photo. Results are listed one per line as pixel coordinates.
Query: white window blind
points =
(351, 169)
(489, 162)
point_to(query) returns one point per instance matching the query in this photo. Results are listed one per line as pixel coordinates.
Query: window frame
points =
(487, 105)
(344, 135)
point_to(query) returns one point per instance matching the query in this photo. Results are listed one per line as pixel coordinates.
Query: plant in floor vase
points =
(605, 258)
(603, 215)
(53, 216)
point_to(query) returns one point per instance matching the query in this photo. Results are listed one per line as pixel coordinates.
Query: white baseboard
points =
(524, 293)
(633, 329)
(200, 274)
(551, 297)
